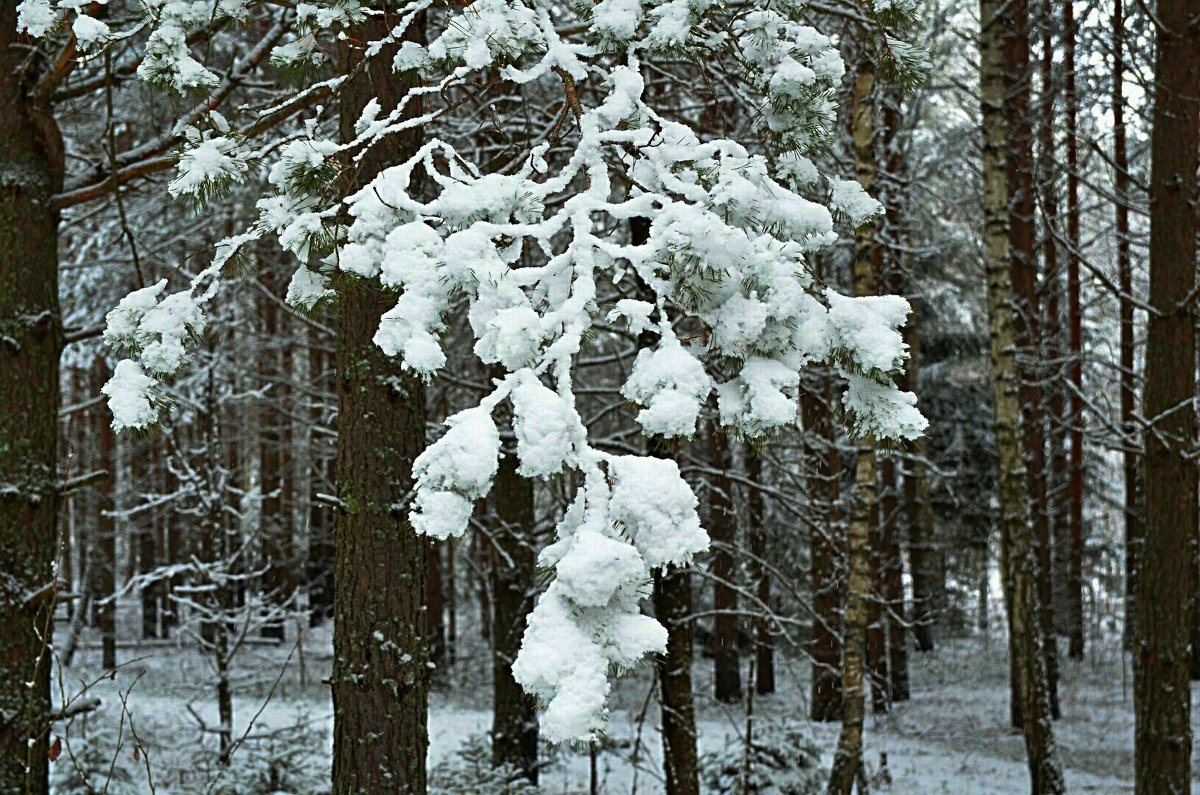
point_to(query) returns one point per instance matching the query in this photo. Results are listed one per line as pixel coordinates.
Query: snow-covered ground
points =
(952, 736)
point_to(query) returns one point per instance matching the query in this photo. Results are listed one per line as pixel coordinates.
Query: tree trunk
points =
(893, 586)
(847, 759)
(672, 597)
(722, 530)
(318, 565)
(104, 569)
(31, 158)
(1131, 460)
(1163, 734)
(1075, 342)
(918, 510)
(380, 674)
(148, 540)
(1026, 320)
(275, 529)
(514, 572)
(824, 466)
(764, 644)
(1017, 555)
(435, 608)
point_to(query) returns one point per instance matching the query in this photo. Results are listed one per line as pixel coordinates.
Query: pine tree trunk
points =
(104, 569)
(722, 530)
(275, 529)
(380, 674)
(1163, 734)
(31, 158)
(1053, 370)
(893, 586)
(822, 456)
(1017, 554)
(435, 608)
(513, 571)
(877, 658)
(848, 758)
(764, 644)
(1075, 342)
(148, 544)
(672, 597)
(918, 511)
(318, 565)
(1131, 460)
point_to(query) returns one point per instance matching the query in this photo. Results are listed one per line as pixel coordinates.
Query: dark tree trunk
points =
(31, 158)
(918, 509)
(148, 541)
(1131, 460)
(1163, 734)
(672, 597)
(318, 565)
(893, 585)
(380, 674)
(824, 466)
(764, 643)
(513, 571)
(435, 608)
(877, 658)
(722, 530)
(1075, 332)
(275, 529)
(104, 568)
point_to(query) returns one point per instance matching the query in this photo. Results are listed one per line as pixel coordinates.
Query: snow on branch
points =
(724, 268)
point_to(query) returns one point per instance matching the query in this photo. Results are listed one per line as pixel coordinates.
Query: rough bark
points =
(380, 674)
(1074, 601)
(1131, 460)
(918, 510)
(513, 572)
(31, 162)
(1163, 735)
(825, 581)
(1017, 554)
(764, 643)
(104, 568)
(1026, 319)
(722, 530)
(671, 596)
(275, 529)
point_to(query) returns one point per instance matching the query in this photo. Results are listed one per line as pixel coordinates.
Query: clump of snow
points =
(672, 385)
(454, 471)
(36, 17)
(132, 397)
(89, 32)
(548, 429)
(848, 197)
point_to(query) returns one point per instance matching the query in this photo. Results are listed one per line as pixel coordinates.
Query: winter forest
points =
(599, 397)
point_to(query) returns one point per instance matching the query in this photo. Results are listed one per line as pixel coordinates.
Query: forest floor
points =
(951, 737)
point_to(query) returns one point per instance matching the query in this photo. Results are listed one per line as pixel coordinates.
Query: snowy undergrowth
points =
(952, 737)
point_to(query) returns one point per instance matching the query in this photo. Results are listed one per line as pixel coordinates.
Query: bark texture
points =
(380, 673)
(513, 570)
(1163, 734)
(1017, 553)
(31, 165)
(847, 758)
